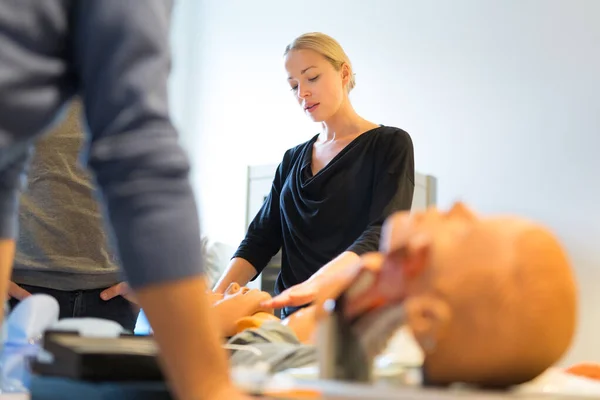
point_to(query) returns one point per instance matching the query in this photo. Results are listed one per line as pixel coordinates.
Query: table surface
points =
(44, 388)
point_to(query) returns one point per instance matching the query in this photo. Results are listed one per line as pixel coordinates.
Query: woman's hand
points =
(307, 291)
(297, 295)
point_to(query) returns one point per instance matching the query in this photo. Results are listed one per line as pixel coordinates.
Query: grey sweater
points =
(115, 55)
(62, 242)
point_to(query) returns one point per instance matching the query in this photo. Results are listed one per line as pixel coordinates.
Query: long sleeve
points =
(393, 191)
(13, 176)
(122, 59)
(264, 236)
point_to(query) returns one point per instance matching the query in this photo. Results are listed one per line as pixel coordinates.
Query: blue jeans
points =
(88, 304)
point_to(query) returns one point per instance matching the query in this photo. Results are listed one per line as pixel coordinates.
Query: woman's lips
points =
(312, 108)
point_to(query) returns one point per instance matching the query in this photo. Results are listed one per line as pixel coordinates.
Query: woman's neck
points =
(345, 124)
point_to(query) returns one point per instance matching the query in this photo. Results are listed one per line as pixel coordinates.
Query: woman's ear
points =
(428, 318)
(346, 73)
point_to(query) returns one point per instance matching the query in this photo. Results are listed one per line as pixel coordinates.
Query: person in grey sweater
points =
(62, 248)
(115, 55)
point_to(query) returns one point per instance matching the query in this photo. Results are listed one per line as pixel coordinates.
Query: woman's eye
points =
(315, 78)
(294, 88)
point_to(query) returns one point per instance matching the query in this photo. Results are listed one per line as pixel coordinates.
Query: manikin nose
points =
(233, 288)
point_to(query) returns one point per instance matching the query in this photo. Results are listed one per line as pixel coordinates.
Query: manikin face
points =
(318, 87)
(237, 293)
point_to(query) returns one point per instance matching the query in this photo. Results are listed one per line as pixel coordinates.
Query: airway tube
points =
(347, 349)
(376, 328)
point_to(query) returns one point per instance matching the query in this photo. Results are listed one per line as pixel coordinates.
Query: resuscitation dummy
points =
(490, 301)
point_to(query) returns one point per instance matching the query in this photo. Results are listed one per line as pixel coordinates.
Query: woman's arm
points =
(239, 271)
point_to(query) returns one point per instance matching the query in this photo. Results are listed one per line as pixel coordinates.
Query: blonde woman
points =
(330, 194)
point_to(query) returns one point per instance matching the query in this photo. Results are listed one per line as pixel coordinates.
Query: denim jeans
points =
(88, 304)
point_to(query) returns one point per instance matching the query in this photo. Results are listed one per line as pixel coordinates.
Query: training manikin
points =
(490, 301)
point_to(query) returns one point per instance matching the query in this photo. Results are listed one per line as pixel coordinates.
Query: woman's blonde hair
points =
(328, 47)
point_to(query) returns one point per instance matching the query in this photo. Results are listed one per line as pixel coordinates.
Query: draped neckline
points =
(306, 165)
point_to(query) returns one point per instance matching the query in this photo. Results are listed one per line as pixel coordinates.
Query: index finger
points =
(370, 261)
(281, 300)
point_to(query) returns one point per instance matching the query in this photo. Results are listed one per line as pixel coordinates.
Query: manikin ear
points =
(428, 318)
(416, 255)
(409, 256)
(394, 232)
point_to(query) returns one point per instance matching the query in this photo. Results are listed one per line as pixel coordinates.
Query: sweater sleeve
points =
(13, 177)
(392, 191)
(264, 237)
(122, 60)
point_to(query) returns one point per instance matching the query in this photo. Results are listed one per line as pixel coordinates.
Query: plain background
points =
(500, 97)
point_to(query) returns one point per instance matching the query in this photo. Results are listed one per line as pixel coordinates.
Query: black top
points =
(342, 208)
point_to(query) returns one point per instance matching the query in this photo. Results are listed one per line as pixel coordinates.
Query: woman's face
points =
(319, 88)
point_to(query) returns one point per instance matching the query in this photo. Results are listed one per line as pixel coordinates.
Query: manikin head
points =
(237, 303)
(319, 74)
(491, 301)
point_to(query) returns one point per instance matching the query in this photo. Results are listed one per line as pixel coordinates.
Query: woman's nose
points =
(302, 93)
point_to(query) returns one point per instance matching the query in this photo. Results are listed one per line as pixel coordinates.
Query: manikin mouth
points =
(310, 107)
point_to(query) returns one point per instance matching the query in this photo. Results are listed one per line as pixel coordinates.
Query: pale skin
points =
(314, 81)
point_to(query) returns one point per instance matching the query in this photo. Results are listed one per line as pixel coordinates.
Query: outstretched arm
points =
(304, 321)
(307, 291)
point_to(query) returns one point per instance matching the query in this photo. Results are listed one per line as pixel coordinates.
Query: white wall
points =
(501, 99)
